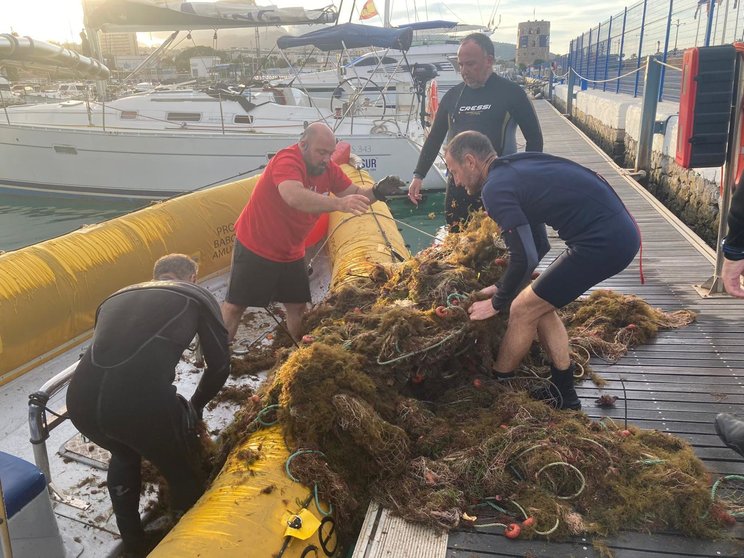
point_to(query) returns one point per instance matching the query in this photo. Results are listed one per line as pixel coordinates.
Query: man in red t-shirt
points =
(268, 259)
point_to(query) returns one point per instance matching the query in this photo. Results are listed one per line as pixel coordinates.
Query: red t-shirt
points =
(271, 228)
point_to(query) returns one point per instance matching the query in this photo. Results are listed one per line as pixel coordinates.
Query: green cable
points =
(260, 420)
(317, 503)
(295, 454)
(315, 486)
(714, 489)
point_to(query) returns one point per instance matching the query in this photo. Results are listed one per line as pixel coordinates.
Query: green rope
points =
(323, 512)
(423, 350)
(714, 489)
(259, 417)
(455, 296)
(315, 485)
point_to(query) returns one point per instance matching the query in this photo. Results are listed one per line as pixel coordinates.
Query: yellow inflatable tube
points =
(248, 509)
(356, 243)
(49, 292)
(236, 517)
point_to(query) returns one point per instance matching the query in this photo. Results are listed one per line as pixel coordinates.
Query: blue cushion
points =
(21, 480)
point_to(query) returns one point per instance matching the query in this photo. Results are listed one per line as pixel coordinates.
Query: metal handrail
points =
(37, 417)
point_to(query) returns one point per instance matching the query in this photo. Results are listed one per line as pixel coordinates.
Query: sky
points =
(62, 20)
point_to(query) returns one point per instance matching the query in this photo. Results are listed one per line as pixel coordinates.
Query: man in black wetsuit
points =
(523, 193)
(484, 102)
(122, 395)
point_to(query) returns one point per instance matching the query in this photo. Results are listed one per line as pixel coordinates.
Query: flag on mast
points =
(368, 10)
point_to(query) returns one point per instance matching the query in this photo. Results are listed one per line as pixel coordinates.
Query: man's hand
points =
(731, 275)
(388, 186)
(488, 291)
(353, 203)
(414, 190)
(482, 310)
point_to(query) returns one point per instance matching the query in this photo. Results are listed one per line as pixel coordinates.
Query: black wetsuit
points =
(122, 395)
(486, 110)
(525, 191)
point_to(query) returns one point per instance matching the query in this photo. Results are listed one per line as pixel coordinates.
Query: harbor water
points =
(26, 220)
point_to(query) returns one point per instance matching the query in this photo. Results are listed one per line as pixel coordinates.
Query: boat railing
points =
(38, 420)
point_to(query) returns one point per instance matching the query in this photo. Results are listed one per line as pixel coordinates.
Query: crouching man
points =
(523, 193)
(122, 395)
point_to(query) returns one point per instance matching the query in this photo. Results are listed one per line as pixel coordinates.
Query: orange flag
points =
(368, 10)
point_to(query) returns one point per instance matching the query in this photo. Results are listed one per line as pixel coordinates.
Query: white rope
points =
(669, 66)
(611, 79)
(556, 76)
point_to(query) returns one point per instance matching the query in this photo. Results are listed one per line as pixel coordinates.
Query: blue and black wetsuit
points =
(486, 110)
(122, 395)
(526, 191)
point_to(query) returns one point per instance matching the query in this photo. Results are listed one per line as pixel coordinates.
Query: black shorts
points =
(257, 282)
(602, 253)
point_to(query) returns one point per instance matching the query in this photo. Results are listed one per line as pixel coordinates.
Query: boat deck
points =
(676, 384)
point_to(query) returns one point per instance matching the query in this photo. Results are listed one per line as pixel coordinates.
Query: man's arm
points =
(298, 197)
(523, 258)
(213, 340)
(524, 114)
(433, 143)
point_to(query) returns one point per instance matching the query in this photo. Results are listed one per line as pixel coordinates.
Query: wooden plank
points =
(386, 536)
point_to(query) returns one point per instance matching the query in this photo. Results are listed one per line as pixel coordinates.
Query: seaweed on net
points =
(395, 390)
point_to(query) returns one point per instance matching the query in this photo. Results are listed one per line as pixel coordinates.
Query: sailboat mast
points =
(386, 14)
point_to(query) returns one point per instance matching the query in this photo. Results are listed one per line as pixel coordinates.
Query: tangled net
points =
(395, 390)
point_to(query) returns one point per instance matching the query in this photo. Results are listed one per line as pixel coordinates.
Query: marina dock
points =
(676, 384)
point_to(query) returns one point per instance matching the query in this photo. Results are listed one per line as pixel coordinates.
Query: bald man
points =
(268, 257)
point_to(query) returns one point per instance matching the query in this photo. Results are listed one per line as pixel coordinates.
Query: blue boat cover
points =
(434, 24)
(350, 35)
(21, 481)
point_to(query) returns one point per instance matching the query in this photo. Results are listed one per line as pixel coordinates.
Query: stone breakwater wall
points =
(613, 122)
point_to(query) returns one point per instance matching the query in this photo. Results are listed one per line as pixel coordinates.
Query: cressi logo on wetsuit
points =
(477, 109)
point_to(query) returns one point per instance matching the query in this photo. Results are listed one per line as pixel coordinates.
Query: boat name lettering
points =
(369, 163)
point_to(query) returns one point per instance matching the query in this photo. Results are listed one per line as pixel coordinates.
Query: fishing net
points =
(394, 386)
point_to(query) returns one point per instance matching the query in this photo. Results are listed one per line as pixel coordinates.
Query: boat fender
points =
(341, 154)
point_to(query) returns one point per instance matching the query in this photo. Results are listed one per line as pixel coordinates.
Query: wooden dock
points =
(676, 384)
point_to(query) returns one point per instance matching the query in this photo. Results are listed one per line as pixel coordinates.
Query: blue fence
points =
(610, 56)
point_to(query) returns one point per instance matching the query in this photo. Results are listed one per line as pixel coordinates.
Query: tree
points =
(182, 59)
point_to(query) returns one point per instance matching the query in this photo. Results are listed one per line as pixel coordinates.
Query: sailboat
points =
(164, 143)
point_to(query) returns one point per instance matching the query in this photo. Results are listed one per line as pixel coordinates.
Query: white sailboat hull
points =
(158, 164)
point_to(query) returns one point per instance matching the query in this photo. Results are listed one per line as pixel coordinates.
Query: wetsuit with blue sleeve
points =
(526, 191)
(122, 395)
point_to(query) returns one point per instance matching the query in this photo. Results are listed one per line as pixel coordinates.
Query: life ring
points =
(432, 103)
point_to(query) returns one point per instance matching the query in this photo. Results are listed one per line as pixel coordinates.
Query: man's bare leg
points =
(554, 340)
(295, 311)
(524, 316)
(231, 315)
